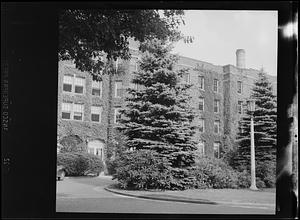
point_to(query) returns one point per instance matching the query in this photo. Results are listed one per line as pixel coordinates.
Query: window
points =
(99, 152)
(216, 106)
(135, 86)
(201, 125)
(91, 150)
(96, 147)
(242, 130)
(78, 112)
(216, 85)
(72, 111)
(118, 89)
(117, 116)
(96, 113)
(217, 150)
(217, 127)
(97, 88)
(67, 83)
(186, 77)
(240, 107)
(201, 147)
(239, 87)
(66, 109)
(79, 84)
(134, 63)
(201, 82)
(201, 104)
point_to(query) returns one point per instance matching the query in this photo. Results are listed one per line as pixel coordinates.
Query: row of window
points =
(201, 148)
(76, 84)
(75, 111)
(216, 148)
(217, 124)
(216, 83)
(216, 105)
(119, 88)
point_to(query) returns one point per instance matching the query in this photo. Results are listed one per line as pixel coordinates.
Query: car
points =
(60, 173)
(91, 173)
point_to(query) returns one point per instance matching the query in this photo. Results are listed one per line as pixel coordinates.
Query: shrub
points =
(68, 160)
(142, 169)
(111, 165)
(267, 173)
(72, 143)
(95, 164)
(214, 173)
(260, 183)
(114, 150)
(80, 164)
(244, 179)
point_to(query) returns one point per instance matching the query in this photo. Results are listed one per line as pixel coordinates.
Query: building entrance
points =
(96, 147)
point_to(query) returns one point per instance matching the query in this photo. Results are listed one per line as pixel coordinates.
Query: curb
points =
(198, 201)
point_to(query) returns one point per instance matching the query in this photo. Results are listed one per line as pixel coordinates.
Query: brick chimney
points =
(240, 59)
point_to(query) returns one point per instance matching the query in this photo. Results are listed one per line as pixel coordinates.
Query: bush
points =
(72, 143)
(80, 164)
(215, 173)
(115, 149)
(142, 169)
(265, 175)
(95, 164)
(266, 171)
(260, 183)
(111, 165)
(244, 179)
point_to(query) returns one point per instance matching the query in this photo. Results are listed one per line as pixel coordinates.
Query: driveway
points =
(87, 194)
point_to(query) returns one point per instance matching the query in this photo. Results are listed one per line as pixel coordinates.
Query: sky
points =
(218, 34)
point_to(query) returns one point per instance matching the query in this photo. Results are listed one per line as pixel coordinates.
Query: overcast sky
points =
(217, 35)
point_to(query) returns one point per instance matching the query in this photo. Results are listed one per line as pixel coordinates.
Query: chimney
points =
(240, 59)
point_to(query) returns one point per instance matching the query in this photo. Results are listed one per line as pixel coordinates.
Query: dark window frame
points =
(216, 106)
(239, 87)
(201, 82)
(216, 86)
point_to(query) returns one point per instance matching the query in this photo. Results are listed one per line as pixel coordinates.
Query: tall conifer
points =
(158, 116)
(264, 126)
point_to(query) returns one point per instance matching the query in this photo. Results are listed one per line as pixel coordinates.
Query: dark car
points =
(60, 172)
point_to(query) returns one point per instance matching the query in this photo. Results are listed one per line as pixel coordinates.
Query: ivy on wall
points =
(208, 114)
(84, 130)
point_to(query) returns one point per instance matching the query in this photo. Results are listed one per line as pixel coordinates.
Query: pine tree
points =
(158, 117)
(264, 126)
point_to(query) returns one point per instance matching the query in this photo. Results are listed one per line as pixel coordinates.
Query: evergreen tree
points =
(158, 117)
(264, 127)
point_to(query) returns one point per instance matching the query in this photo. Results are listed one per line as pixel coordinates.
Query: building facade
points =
(89, 109)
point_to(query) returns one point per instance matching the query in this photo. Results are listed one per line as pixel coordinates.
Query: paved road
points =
(84, 194)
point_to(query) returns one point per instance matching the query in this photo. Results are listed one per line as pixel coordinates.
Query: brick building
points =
(89, 109)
